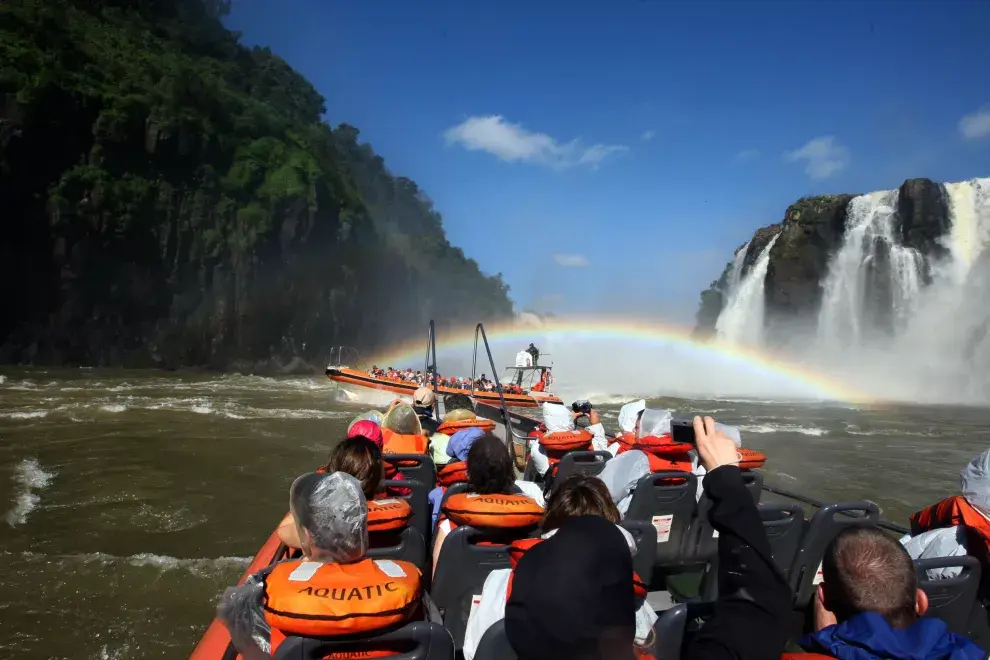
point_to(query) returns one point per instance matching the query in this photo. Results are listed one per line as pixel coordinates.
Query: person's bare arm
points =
(287, 533)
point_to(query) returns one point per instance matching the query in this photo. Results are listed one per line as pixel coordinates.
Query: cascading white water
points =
(934, 340)
(735, 273)
(741, 321)
(870, 249)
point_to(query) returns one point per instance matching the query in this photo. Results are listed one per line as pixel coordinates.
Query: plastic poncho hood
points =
(402, 419)
(654, 423)
(628, 414)
(332, 509)
(459, 415)
(974, 482)
(557, 418)
(372, 416)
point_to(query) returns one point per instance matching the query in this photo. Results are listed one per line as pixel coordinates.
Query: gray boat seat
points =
(669, 628)
(666, 500)
(419, 640)
(753, 480)
(589, 463)
(460, 573)
(823, 527)
(424, 471)
(645, 535)
(418, 499)
(703, 544)
(951, 599)
(459, 487)
(407, 545)
(494, 644)
(784, 525)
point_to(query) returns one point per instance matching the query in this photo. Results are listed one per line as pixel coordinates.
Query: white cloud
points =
(571, 260)
(823, 157)
(511, 142)
(976, 125)
(648, 135)
(747, 155)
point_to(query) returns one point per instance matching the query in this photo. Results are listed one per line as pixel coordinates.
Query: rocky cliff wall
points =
(811, 232)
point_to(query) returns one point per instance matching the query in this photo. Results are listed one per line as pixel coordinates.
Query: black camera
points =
(583, 407)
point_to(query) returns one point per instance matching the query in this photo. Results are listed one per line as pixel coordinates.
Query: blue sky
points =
(640, 141)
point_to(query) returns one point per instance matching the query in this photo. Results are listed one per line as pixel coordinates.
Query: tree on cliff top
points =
(176, 198)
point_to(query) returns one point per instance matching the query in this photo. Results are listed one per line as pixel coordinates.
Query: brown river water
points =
(130, 499)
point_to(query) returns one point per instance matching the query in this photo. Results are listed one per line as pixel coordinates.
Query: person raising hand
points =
(715, 448)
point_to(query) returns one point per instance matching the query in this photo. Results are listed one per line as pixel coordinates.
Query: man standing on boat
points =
(535, 352)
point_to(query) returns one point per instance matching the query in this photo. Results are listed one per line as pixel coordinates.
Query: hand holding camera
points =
(581, 409)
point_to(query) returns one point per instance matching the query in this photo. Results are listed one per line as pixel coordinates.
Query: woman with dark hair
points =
(490, 472)
(359, 457)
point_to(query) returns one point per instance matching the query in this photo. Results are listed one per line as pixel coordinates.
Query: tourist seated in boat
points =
(959, 524)
(459, 411)
(423, 402)
(362, 459)
(454, 468)
(629, 416)
(557, 418)
(402, 431)
(489, 472)
(869, 605)
(290, 598)
(578, 495)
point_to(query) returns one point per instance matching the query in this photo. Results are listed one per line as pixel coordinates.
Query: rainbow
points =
(756, 362)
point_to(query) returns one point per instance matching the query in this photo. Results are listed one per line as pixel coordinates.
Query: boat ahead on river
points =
(522, 385)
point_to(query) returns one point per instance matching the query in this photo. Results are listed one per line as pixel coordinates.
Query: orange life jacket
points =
(388, 515)
(565, 441)
(954, 511)
(452, 427)
(408, 443)
(663, 453)
(750, 459)
(316, 599)
(452, 473)
(498, 511)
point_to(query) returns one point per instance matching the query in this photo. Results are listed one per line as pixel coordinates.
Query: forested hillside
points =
(171, 197)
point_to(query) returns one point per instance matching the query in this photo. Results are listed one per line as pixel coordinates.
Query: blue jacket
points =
(868, 636)
(458, 447)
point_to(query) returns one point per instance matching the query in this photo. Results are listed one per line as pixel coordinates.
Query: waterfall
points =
(913, 327)
(873, 281)
(735, 273)
(741, 321)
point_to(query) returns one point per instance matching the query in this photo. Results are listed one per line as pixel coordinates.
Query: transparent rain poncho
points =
(654, 423)
(331, 515)
(628, 414)
(657, 423)
(557, 418)
(402, 419)
(974, 483)
(459, 415)
(372, 415)
(944, 542)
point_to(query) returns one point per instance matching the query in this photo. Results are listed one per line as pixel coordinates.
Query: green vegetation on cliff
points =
(173, 197)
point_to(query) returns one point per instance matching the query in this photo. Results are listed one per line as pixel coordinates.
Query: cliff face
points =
(811, 232)
(171, 198)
